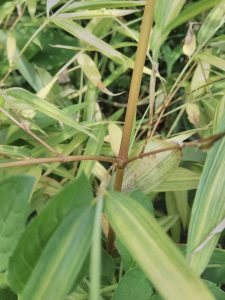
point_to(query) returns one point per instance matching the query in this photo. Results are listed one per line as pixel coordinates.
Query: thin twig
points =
(63, 159)
(169, 99)
(201, 144)
(25, 127)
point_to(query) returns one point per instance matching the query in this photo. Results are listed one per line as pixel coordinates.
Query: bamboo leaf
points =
(181, 179)
(89, 38)
(208, 205)
(95, 264)
(165, 12)
(90, 69)
(101, 13)
(134, 285)
(102, 4)
(62, 258)
(190, 11)
(153, 251)
(75, 197)
(20, 96)
(213, 60)
(51, 4)
(15, 193)
(212, 23)
(149, 172)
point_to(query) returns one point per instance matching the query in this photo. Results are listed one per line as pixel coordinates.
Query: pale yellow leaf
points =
(200, 78)
(11, 48)
(193, 113)
(115, 136)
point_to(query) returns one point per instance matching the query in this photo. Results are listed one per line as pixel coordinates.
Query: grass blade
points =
(152, 249)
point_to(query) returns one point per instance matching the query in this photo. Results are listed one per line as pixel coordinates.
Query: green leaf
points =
(212, 23)
(32, 6)
(134, 285)
(95, 264)
(100, 13)
(165, 12)
(153, 251)
(62, 258)
(101, 4)
(213, 60)
(93, 147)
(20, 95)
(215, 290)
(181, 179)
(51, 4)
(7, 294)
(76, 196)
(190, 11)
(15, 193)
(89, 38)
(149, 172)
(208, 205)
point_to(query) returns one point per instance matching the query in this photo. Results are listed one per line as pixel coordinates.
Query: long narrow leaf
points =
(209, 206)
(152, 249)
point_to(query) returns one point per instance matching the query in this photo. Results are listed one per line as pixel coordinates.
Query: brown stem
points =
(133, 98)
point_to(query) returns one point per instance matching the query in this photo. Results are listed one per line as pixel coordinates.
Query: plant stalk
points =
(142, 48)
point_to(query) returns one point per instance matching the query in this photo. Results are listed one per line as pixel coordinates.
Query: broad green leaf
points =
(209, 207)
(76, 196)
(15, 194)
(7, 294)
(212, 23)
(62, 259)
(153, 251)
(181, 179)
(134, 285)
(23, 96)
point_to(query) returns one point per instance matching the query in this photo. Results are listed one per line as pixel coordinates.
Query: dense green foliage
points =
(65, 76)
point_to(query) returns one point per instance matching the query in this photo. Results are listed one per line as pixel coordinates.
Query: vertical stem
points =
(136, 78)
(133, 99)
